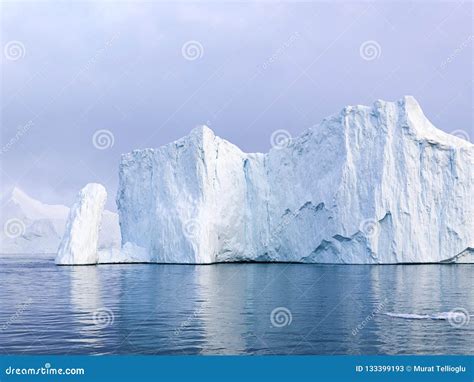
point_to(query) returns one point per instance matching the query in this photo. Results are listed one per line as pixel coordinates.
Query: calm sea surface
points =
(234, 308)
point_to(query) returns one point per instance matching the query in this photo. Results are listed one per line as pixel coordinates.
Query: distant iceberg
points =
(370, 185)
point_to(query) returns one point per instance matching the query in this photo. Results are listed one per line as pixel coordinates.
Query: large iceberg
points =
(369, 185)
(81, 237)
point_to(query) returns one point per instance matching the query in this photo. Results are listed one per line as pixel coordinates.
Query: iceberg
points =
(79, 245)
(370, 185)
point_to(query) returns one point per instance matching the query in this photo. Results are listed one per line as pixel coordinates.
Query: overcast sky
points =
(147, 73)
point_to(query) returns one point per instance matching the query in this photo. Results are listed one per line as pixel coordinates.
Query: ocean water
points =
(234, 308)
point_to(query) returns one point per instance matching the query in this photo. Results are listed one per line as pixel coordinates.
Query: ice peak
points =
(203, 129)
(20, 197)
(32, 208)
(93, 188)
(410, 101)
(410, 116)
(201, 132)
(18, 194)
(411, 107)
(424, 129)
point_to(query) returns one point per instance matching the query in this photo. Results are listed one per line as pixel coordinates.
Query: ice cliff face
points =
(373, 184)
(81, 237)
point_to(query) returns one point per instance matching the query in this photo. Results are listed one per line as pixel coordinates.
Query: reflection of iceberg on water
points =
(90, 316)
(221, 311)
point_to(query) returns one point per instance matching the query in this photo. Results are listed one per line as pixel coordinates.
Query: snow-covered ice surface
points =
(369, 185)
(30, 226)
(79, 244)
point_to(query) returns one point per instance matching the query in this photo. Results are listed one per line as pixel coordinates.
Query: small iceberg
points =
(454, 315)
